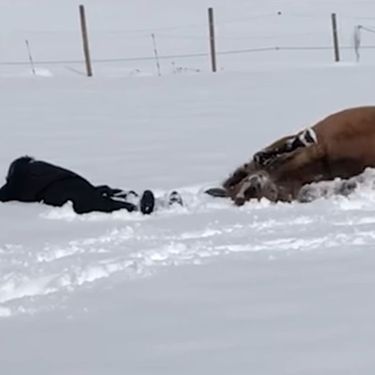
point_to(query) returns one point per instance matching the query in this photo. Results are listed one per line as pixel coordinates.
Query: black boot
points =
(147, 202)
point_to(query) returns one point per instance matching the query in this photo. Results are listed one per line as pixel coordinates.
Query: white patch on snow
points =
(42, 72)
(5, 312)
(19, 286)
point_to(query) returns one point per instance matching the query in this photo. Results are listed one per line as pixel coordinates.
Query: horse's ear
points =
(236, 177)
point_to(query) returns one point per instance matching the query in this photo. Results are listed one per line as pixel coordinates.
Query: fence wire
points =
(166, 33)
(184, 56)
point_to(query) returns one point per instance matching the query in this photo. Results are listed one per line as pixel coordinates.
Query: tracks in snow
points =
(131, 246)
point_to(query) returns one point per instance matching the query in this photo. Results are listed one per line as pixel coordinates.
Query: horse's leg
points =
(285, 145)
(217, 192)
(268, 154)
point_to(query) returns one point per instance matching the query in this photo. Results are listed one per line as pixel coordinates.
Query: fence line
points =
(212, 53)
(223, 37)
(183, 56)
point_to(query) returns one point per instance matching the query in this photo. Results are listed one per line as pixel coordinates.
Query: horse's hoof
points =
(217, 192)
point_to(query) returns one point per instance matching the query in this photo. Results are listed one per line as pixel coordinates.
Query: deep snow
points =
(208, 288)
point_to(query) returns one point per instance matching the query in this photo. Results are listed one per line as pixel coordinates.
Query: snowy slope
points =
(208, 288)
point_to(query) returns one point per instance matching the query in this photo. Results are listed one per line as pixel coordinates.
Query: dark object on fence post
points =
(212, 38)
(335, 37)
(85, 40)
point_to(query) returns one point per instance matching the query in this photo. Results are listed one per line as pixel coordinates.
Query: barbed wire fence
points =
(212, 55)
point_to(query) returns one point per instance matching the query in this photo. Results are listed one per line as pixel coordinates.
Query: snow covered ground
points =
(207, 288)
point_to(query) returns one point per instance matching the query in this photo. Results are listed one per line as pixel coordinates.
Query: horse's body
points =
(340, 146)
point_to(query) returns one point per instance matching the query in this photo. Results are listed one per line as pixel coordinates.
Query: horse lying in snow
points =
(340, 146)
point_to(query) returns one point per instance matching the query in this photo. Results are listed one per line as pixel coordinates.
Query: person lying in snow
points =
(31, 180)
(340, 146)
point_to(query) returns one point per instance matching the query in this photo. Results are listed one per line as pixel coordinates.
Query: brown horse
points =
(340, 146)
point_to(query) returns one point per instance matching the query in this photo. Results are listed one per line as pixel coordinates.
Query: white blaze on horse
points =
(340, 146)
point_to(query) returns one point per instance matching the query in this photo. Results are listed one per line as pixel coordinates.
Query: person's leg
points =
(84, 196)
(98, 202)
(95, 202)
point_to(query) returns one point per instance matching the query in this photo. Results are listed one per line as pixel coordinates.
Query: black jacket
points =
(28, 178)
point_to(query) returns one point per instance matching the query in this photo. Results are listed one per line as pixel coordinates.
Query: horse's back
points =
(349, 140)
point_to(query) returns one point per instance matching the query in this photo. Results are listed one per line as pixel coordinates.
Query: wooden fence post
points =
(212, 38)
(30, 57)
(335, 37)
(156, 54)
(86, 49)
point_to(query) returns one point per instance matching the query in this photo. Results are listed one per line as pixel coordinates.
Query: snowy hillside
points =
(207, 288)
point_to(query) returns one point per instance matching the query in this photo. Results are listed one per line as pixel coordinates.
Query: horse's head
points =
(256, 186)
